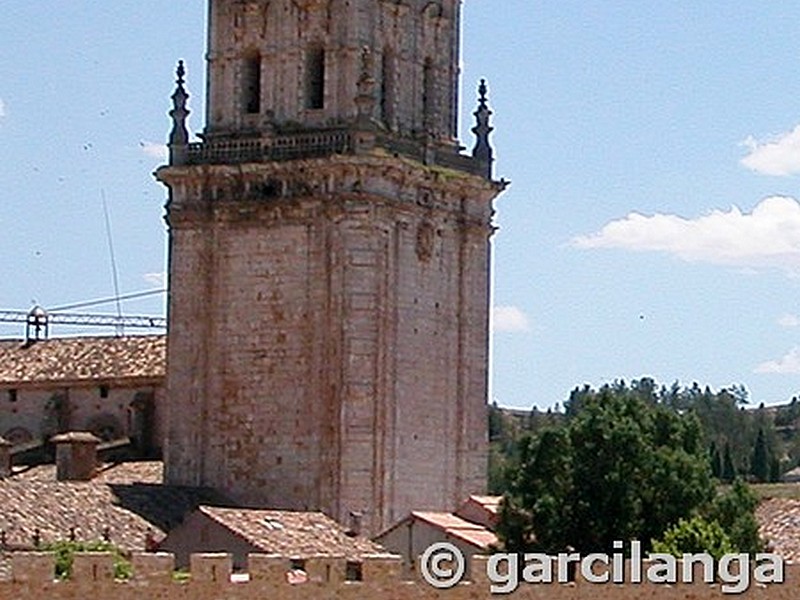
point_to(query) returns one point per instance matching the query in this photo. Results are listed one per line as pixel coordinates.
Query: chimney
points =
(356, 519)
(76, 455)
(5, 458)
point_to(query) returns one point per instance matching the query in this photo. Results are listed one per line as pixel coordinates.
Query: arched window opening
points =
(428, 96)
(315, 78)
(388, 83)
(251, 84)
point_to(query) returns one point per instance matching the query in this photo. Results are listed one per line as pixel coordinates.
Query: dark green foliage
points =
(788, 416)
(734, 510)
(760, 465)
(725, 526)
(506, 428)
(623, 467)
(65, 551)
(635, 462)
(774, 469)
(495, 423)
(542, 481)
(715, 460)
(728, 470)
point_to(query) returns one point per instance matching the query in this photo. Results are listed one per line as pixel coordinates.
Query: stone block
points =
(93, 566)
(33, 567)
(153, 566)
(382, 569)
(211, 567)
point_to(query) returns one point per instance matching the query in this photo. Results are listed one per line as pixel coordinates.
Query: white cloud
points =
(3, 112)
(158, 279)
(788, 364)
(768, 237)
(509, 319)
(154, 150)
(779, 155)
(789, 321)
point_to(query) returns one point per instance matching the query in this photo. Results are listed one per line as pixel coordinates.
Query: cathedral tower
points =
(329, 262)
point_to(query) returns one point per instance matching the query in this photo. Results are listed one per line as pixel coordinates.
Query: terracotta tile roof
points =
(483, 510)
(779, 524)
(290, 533)
(490, 503)
(127, 472)
(452, 525)
(128, 499)
(82, 358)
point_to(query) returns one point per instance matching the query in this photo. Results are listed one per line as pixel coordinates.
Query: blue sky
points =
(651, 229)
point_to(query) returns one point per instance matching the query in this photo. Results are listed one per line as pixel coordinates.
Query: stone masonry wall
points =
(414, 63)
(33, 413)
(328, 335)
(32, 577)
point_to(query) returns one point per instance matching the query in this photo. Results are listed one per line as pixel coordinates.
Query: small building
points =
(110, 386)
(483, 510)
(792, 476)
(411, 536)
(240, 531)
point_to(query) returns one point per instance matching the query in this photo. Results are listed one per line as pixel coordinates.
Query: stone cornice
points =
(257, 187)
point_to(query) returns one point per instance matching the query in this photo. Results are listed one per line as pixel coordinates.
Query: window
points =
(104, 391)
(428, 95)
(315, 78)
(12, 395)
(388, 87)
(353, 571)
(251, 83)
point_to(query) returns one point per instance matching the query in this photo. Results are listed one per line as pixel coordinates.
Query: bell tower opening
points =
(388, 83)
(428, 96)
(251, 82)
(315, 78)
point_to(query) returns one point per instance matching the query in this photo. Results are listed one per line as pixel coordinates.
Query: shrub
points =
(65, 550)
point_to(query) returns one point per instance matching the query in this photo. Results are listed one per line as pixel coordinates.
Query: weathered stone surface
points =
(329, 296)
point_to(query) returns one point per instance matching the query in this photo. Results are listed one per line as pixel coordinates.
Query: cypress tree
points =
(728, 470)
(760, 467)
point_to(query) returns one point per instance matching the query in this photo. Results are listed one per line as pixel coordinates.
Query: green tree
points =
(728, 469)
(623, 467)
(716, 460)
(496, 423)
(760, 465)
(734, 510)
(542, 480)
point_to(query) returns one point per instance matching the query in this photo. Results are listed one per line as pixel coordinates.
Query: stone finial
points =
(179, 136)
(483, 150)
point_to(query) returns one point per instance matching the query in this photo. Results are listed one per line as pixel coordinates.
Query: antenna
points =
(120, 326)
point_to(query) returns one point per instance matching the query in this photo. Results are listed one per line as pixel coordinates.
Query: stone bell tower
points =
(329, 262)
